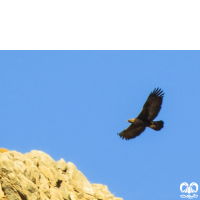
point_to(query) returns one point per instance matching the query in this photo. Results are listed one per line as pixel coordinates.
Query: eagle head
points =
(131, 120)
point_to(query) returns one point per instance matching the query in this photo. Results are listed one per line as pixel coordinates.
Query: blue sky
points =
(72, 104)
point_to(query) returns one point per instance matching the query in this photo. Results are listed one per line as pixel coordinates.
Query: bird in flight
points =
(145, 119)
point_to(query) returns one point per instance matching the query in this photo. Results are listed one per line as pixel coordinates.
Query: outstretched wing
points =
(152, 105)
(131, 132)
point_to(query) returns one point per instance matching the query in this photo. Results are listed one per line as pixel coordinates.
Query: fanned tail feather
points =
(157, 125)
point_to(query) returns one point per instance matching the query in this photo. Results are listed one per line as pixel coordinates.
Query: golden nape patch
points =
(2, 150)
(131, 120)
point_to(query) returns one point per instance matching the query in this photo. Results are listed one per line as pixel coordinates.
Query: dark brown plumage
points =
(145, 119)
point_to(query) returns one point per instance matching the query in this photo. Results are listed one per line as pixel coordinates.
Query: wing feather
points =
(152, 105)
(131, 132)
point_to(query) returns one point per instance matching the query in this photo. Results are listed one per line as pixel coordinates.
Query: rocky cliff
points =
(36, 176)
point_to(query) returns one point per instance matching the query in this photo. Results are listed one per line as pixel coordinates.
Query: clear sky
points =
(72, 104)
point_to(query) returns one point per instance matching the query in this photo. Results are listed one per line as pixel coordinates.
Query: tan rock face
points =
(36, 176)
(2, 150)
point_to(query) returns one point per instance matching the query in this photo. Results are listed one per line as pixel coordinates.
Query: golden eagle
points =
(145, 119)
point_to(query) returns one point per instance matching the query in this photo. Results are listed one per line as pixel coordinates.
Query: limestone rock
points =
(2, 150)
(36, 176)
(78, 180)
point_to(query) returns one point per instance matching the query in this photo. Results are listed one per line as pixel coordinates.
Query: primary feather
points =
(152, 105)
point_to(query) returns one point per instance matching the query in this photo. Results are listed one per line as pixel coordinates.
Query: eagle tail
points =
(157, 125)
